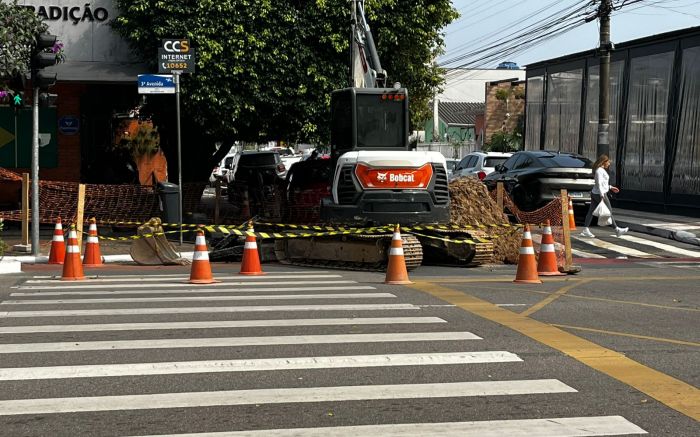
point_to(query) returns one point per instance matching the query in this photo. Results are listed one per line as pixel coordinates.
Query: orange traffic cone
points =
(527, 265)
(572, 221)
(547, 262)
(245, 207)
(201, 269)
(396, 273)
(250, 265)
(58, 247)
(93, 256)
(72, 269)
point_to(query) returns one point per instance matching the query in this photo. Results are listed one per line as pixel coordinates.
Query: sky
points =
(484, 21)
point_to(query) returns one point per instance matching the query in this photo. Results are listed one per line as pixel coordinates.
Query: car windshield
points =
(257, 159)
(492, 162)
(228, 162)
(567, 161)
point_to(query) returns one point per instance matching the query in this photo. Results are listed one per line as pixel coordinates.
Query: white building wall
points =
(469, 85)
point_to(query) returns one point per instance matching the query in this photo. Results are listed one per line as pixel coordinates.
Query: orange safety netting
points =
(537, 218)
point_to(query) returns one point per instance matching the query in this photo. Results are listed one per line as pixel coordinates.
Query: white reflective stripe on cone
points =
(250, 245)
(527, 251)
(396, 251)
(200, 241)
(58, 227)
(547, 230)
(93, 240)
(527, 235)
(93, 227)
(73, 235)
(546, 248)
(58, 238)
(200, 256)
(397, 236)
(72, 249)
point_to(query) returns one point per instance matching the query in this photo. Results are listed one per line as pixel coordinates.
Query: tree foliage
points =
(18, 27)
(265, 69)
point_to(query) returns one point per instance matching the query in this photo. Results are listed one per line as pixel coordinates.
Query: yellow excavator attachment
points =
(153, 249)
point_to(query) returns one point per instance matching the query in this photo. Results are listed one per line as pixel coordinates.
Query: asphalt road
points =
(612, 351)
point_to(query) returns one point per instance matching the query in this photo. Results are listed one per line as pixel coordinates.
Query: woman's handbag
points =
(603, 213)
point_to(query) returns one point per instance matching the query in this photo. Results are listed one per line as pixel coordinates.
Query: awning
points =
(98, 72)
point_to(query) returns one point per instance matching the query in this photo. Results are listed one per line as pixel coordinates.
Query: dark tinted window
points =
(258, 159)
(451, 164)
(341, 120)
(463, 162)
(492, 162)
(510, 161)
(228, 162)
(473, 161)
(556, 160)
(380, 123)
(525, 162)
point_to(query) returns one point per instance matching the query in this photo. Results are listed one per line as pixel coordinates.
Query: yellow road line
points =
(552, 297)
(520, 288)
(672, 392)
(625, 334)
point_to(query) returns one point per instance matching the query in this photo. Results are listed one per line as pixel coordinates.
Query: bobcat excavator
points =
(376, 179)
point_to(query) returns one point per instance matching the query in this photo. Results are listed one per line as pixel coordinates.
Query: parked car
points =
(255, 170)
(479, 164)
(534, 178)
(451, 165)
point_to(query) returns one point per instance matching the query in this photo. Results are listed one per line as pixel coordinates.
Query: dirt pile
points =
(471, 204)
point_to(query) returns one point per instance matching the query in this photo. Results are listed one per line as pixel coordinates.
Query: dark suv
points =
(255, 170)
(535, 177)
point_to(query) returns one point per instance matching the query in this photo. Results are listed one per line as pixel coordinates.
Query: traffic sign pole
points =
(35, 171)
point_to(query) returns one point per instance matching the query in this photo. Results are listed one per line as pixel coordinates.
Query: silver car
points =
(479, 164)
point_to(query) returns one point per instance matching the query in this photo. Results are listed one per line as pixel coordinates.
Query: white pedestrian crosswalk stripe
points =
(663, 246)
(281, 395)
(212, 309)
(97, 292)
(255, 365)
(205, 298)
(627, 251)
(549, 427)
(218, 324)
(60, 362)
(19, 348)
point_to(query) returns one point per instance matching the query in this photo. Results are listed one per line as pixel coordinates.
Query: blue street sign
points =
(156, 84)
(69, 125)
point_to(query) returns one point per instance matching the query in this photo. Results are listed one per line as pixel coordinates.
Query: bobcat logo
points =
(381, 177)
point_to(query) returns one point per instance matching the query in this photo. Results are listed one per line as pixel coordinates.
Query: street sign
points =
(156, 84)
(176, 55)
(69, 125)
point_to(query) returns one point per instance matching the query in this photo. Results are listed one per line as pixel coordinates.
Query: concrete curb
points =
(13, 264)
(682, 236)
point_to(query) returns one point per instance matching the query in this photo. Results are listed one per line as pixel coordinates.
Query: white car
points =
(479, 164)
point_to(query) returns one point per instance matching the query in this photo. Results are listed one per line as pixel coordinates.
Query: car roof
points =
(539, 153)
(491, 154)
(256, 152)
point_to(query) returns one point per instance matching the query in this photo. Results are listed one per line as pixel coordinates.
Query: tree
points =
(18, 28)
(265, 69)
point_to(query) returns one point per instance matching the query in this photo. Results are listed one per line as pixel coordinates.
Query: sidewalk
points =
(674, 227)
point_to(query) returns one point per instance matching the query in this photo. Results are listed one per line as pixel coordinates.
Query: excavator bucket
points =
(153, 249)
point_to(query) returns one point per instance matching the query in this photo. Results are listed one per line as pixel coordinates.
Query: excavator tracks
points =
(438, 251)
(348, 252)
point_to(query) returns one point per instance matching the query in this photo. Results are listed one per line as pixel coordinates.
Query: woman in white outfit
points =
(599, 193)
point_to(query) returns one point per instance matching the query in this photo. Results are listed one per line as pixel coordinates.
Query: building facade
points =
(96, 86)
(654, 115)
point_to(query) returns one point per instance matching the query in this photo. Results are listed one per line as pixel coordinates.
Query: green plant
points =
(505, 142)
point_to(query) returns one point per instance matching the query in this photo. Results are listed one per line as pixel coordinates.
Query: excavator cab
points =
(368, 119)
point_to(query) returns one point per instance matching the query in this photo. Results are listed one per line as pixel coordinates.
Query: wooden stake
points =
(565, 227)
(499, 195)
(81, 210)
(217, 200)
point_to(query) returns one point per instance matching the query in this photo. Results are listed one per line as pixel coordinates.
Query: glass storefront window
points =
(686, 168)
(647, 110)
(590, 129)
(563, 110)
(533, 112)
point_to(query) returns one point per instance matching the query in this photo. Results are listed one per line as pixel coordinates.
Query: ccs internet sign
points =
(176, 55)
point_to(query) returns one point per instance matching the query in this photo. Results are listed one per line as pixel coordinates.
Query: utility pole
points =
(603, 146)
